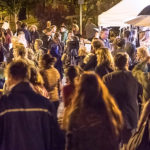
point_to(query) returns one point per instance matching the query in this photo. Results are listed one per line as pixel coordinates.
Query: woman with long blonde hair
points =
(105, 63)
(94, 121)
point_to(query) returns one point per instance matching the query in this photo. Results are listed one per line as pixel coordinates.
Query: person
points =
(129, 48)
(56, 50)
(18, 27)
(142, 76)
(38, 49)
(27, 119)
(37, 82)
(22, 39)
(75, 30)
(68, 90)
(34, 33)
(92, 62)
(94, 121)
(47, 38)
(51, 77)
(82, 53)
(19, 52)
(105, 62)
(64, 34)
(89, 29)
(104, 37)
(27, 34)
(53, 29)
(126, 90)
(118, 45)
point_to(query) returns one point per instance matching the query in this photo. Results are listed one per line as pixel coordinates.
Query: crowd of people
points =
(62, 91)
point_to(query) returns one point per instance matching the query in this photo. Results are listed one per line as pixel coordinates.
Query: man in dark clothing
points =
(104, 37)
(27, 119)
(130, 48)
(26, 33)
(47, 39)
(125, 89)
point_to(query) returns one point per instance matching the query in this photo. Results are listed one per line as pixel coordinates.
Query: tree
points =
(11, 6)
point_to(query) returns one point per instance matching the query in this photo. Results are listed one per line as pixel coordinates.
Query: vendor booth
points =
(122, 12)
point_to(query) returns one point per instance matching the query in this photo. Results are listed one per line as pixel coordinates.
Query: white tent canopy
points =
(122, 12)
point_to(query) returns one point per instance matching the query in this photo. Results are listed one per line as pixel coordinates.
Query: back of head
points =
(72, 73)
(46, 61)
(18, 70)
(24, 25)
(119, 42)
(121, 60)
(104, 56)
(19, 50)
(142, 53)
(39, 42)
(127, 34)
(36, 78)
(97, 43)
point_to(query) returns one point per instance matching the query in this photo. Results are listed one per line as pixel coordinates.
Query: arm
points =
(145, 113)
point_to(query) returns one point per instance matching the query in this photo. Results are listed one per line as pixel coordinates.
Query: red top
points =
(67, 92)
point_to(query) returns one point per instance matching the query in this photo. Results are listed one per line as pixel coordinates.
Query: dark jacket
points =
(103, 69)
(28, 121)
(125, 89)
(90, 130)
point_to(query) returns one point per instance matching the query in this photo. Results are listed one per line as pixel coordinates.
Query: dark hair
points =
(97, 43)
(24, 25)
(127, 34)
(18, 69)
(104, 29)
(121, 60)
(36, 78)
(71, 73)
(120, 42)
(46, 61)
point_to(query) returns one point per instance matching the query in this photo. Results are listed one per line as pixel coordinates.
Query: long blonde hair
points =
(104, 57)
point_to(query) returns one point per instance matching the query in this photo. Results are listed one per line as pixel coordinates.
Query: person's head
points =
(48, 31)
(142, 53)
(33, 28)
(19, 50)
(62, 28)
(75, 27)
(48, 24)
(24, 25)
(54, 28)
(36, 78)
(18, 24)
(17, 71)
(96, 44)
(104, 34)
(71, 73)
(82, 51)
(119, 43)
(47, 61)
(89, 20)
(104, 56)
(38, 44)
(92, 94)
(121, 61)
(30, 53)
(57, 36)
(127, 34)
